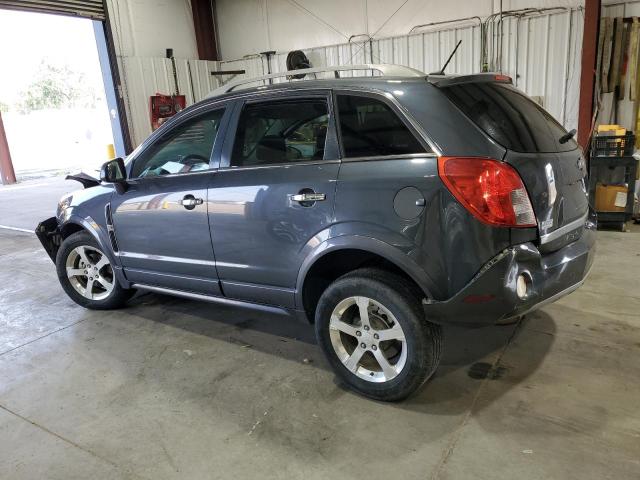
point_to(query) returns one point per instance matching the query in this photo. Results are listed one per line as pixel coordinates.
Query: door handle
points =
(189, 202)
(308, 197)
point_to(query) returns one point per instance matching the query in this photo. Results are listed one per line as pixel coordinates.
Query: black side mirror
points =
(113, 171)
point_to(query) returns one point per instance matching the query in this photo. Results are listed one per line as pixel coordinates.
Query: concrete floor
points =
(170, 388)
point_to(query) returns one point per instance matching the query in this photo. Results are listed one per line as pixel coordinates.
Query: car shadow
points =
(474, 356)
(470, 356)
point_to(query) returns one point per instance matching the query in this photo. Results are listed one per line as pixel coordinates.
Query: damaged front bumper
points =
(48, 232)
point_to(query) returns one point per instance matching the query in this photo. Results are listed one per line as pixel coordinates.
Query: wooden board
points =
(606, 54)
(632, 68)
(614, 74)
(624, 57)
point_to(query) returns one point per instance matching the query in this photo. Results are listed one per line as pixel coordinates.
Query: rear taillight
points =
(491, 190)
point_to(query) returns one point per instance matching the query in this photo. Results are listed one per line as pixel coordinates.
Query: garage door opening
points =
(56, 94)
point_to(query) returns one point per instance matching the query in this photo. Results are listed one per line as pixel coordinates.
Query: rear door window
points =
(274, 132)
(509, 117)
(370, 128)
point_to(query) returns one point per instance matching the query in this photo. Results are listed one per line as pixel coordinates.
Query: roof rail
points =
(386, 70)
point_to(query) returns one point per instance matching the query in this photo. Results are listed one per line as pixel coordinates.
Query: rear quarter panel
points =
(444, 240)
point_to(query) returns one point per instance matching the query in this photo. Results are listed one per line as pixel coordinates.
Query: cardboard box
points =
(611, 198)
(613, 130)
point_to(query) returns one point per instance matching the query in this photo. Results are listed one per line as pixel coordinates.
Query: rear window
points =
(509, 117)
(370, 128)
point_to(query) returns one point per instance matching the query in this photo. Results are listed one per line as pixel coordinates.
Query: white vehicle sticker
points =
(546, 224)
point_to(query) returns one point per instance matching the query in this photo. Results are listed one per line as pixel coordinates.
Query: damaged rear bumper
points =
(492, 295)
(48, 232)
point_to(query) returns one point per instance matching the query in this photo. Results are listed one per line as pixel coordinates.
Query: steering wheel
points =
(195, 156)
(297, 153)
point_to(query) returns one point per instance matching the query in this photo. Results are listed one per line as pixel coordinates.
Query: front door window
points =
(184, 149)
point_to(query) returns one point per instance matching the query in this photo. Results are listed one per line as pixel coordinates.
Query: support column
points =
(204, 24)
(7, 173)
(592, 14)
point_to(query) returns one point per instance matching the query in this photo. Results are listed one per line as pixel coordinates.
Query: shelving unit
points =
(596, 166)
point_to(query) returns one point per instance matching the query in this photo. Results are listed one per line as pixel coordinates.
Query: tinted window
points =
(280, 131)
(509, 117)
(186, 148)
(370, 128)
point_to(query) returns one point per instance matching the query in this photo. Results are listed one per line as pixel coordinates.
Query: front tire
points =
(86, 274)
(372, 329)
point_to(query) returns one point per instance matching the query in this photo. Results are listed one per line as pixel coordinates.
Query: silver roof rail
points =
(386, 70)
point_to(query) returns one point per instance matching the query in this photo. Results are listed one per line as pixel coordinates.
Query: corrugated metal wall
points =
(423, 51)
(541, 52)
(621, 9)
(146, 76)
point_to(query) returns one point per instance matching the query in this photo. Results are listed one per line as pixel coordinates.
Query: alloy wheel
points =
(89, 272)
(368, 339)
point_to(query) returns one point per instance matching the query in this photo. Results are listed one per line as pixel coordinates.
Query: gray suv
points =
(377, 208)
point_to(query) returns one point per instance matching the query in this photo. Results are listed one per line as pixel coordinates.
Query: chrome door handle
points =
(189, 202)
(308, 197)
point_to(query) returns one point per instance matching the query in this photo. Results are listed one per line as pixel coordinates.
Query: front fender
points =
(75, 216)
(385, 250)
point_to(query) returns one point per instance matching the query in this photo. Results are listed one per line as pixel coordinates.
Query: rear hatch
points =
(553, 171)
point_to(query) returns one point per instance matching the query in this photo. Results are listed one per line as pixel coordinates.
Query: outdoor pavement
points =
(24, 204)
(174, 389)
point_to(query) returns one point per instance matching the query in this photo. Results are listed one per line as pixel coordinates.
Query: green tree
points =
(57, 87)
(3, 107)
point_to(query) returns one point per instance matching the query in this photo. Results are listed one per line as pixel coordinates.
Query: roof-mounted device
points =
(449, 80)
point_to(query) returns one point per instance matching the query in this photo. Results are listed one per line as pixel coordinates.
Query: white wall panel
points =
(142, 77)
(142, 31)
(146, 76)
(203, 81)
(145, 28)
(252, 26)
(541, 53)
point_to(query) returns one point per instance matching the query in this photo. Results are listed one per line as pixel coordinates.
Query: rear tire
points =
(86, 274)
(394, 350)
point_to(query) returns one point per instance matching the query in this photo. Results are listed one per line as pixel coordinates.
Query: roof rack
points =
(386, 70)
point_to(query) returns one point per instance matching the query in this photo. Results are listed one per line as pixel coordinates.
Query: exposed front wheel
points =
(371, 326)
(86, 274)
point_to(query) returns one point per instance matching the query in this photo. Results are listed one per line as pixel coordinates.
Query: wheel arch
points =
(75, 224)
(338, 256)
(70, 228)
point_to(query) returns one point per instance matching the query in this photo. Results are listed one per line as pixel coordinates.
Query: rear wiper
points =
(567, 136)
